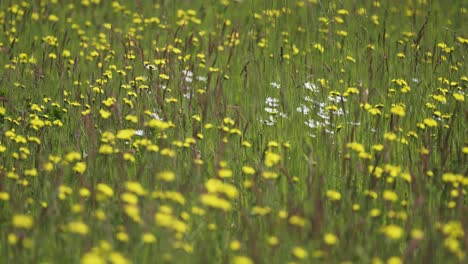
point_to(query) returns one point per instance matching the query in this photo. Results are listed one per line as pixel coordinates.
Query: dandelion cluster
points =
(233, 132)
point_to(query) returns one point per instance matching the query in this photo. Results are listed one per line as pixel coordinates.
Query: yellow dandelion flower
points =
(12, 239)
(156, 123)
(80, 167)
(235, 245)
(248, 170)
(390, 196)
(84, 192)
(378, 147)
(270, 175)
(390, 136)
(105, 189)
(273, 240)
(135, 187)
(93, 258)
(53, 18)
(4, 196)
(430, 122)
(333, 195)
(167, 176)
(148, 238)
(393, 232)
(299, 252)
(129, 198)
(225, 173)
(31, 172)
(78, 227)
(106, 149)
(242, 260)
(459, 97)
(417, 234)
(297, 221)
(271, 158)
(394, 260)
(257, 210)
(125, 134)
(164, 76)
(330, 239)
(122, 236)
(398, 110)
(215, 202)
(104, 113)
(23, 221)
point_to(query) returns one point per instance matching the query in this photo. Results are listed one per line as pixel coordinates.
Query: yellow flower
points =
(131, 118)
(84, 192)
(31, 172)
(129, 157)
(390, 136)
(398, 110)
(299, 252)
(217, 186)
(109, 101)
(122, 237)
(393, 232)
(106, 149)
(12, 239)
(459, 97)
(417, 234)
(23, 221)
(155, 123)
(333, 195)
(148, 238)
(71, 156)
(215, 202)
(242, 260)
(358, 147)
(164, 76)
(374, 212)
(297, 221)
(257, 210)
(394, 260)
(430, 122)
(104, 114)
(4, 196)
(273, 240)
(167, 176)
(248, 170)
(125, 134)
(225, 173)
(390, 196)
(92, 258)
(78, 227)
(246, 144)
(378, 147)
(53, 18)
(80, 167)
(330, 239)
(135, 187)
(271, 158)
(118, 258)
(235, 245)
(129, 198)
(105, 189)
(270, 175)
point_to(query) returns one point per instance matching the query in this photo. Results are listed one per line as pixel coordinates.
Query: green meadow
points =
(233, 131)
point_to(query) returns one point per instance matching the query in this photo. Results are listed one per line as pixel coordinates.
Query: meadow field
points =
(233, 131)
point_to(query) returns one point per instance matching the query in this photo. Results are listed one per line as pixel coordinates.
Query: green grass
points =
(288, 132)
